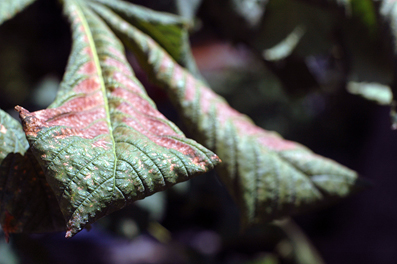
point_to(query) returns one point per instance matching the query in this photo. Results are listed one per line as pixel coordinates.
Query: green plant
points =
(102, 144)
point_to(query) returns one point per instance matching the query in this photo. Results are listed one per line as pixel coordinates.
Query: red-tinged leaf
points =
(169, 30)
(269, 177)
(102, 143)
(27, 203)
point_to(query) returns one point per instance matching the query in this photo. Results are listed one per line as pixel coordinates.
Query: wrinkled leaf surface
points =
(269, 177)
(27, 203)
(102, 143)
(168, 30)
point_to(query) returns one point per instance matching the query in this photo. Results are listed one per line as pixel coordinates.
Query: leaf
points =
(377, 92)
(269, 177)
(169, 30)
(251, 11)
(285, 47)
(188, 8)
(27, 203)
(9, 8)
(388, 11)
(102, 143)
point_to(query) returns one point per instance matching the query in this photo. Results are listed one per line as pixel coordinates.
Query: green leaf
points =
(377, 92)
(27, 203)
(9, 8)
(269, 177)
(169, 30)
(102, 143)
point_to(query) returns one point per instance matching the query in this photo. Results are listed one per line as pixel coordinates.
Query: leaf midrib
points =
(102, 82)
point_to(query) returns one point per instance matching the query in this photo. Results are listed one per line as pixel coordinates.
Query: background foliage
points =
(315, 52)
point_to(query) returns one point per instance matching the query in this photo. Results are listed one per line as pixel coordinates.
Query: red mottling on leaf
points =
(197, 161)
(116, 53)
(136, 103)
(120, 66)
(9, 225)
(121, 78)
(3, 129)
(276, 143)
(88, 68)
(88, 85)
(208, 97)
(177, 76)
(101, 143)
(190, 87)
(166, 64)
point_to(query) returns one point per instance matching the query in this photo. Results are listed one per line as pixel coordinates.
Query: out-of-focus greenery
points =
(294, 62)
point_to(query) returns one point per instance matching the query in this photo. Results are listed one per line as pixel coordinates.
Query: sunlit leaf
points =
(9, 8)
(169, 30)
(269, 177)
(102, 143)
(27, 203)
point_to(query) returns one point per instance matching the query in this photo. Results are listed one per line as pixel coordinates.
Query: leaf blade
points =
(268, 177)
(102, 143)
(27, 203)
(169, 30)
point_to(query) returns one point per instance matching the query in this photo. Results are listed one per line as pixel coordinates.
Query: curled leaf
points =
(102, 143)
(269, 177)
(27, 203)
(169, 30)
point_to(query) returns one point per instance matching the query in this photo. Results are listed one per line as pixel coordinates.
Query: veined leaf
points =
(169, 30)
(269, 177)
(102, 143)
(27, 203)
(9, 8)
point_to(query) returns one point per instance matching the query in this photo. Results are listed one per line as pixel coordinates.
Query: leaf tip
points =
(69, 234)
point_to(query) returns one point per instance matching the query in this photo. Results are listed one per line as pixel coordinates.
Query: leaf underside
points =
(102, 143)
(269, 177)
(9, 9)
(27, 203)
(168, 30)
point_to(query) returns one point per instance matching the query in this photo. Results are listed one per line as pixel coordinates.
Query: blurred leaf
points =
(388, 10)
(9, 8)
(365, 11)
(285, 47)
(269, 177)
(27, 203)
(372, 91)
(188, 8)
(284, 16)
(102, 142)
(169, 30)
(302, 250)
(251, 11)
(7, 254)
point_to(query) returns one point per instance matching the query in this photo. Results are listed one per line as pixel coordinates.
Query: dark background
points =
(302, 96)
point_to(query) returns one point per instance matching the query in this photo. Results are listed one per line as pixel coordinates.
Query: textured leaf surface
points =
(102, 142)
(27, 203)
(169, 30)
(269, 177)
(9, 8)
